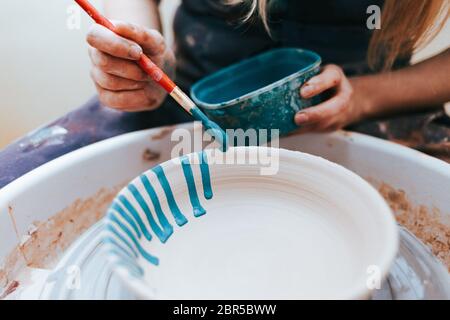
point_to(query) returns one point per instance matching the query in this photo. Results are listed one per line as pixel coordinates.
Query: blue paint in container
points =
(259, 93)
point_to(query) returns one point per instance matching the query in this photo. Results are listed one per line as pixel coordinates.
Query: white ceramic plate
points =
(313, 230)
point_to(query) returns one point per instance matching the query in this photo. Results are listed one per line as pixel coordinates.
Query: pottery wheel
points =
(416, 273)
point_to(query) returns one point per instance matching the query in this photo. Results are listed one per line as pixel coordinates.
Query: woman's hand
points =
(120, 82)
(341, 108)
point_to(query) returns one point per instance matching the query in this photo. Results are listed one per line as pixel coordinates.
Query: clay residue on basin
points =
(425, 223)
(50, 238)
(11, 266)
(13, 285)
(46, 240)
(149, 155)
(161, 134)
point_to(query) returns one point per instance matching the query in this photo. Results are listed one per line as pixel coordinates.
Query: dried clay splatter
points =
(44, 242)
(425, 223)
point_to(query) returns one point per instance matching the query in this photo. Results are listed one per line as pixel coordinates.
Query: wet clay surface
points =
(425, 223)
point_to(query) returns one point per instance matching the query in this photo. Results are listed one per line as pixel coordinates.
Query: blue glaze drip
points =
(122, 226)
(137, 225)
(211, 128)
(206, 178)
(180, 219)
(117, 246)
(163, 235)
(113, 217)
(154, 197)
(124, 215)
(147, 256)
(193, 196)
(110, 228)
(124, 201)
(126, 259)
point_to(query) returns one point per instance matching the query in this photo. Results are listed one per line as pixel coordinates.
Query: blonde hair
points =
(406, 26)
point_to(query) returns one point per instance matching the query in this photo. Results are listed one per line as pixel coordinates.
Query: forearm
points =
(419, 86)
(141, 12)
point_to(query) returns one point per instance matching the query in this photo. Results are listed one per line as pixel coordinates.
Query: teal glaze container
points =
(259, 93)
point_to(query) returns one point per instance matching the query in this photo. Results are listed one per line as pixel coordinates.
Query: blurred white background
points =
(44, 66)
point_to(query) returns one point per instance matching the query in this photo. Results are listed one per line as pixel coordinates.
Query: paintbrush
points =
(160, 77)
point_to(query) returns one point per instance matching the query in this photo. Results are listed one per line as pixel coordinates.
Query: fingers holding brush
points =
(108, 42)
(129, 100)
(121, 83)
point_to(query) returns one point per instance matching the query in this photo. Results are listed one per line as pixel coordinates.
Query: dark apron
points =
(210, 36)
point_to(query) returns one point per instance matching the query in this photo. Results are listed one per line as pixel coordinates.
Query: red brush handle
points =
(146, 64)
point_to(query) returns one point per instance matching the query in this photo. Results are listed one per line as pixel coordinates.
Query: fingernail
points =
(301, 118)
(307, 90)
(135, 52)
